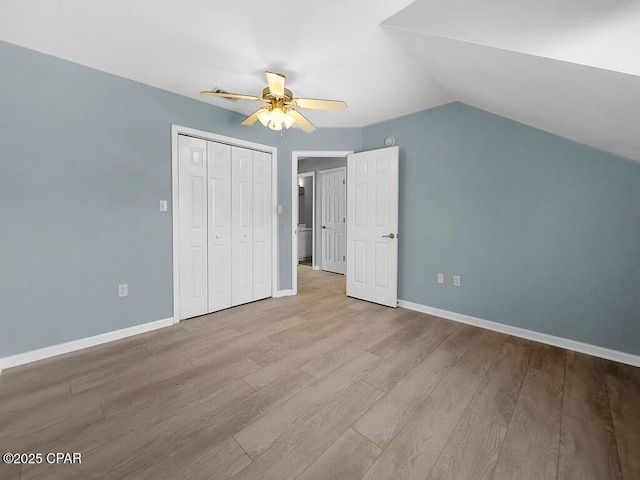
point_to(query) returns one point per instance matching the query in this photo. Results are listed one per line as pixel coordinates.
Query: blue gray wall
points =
(545, 232)
(85, 158)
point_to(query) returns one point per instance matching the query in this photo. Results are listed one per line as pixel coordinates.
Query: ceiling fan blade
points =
(276, 83)
(237, 96)
(251, 119)
(302, 122)
(318, 104)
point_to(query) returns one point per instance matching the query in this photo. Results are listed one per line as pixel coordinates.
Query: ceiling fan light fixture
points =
(264, 116)
(281, 109)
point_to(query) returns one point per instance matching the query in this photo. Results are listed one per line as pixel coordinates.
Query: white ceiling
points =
(570, 67)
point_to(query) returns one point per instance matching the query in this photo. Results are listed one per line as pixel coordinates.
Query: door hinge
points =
(344, 220)
(343, 182)
(344, 258)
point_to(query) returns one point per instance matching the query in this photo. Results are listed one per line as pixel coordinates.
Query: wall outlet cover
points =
(123, 290)
(456, 280)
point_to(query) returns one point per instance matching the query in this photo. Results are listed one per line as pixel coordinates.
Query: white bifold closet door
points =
(225, 218)
(219, 221)
(251, 225)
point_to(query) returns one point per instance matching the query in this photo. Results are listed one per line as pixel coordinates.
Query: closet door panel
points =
(192, 192)
(242, 226)
(219, 225)
(262, 211)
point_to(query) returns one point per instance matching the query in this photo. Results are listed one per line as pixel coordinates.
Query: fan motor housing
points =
(267, 95)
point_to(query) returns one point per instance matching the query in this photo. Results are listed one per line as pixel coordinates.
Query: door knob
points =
(391, 235)
(323, 226)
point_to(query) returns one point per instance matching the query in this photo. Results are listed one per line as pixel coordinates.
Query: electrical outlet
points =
(440, 279)
(123, 290)
(456, 280)
(163, 205)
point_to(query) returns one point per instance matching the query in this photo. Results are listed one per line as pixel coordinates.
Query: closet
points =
(225, 214)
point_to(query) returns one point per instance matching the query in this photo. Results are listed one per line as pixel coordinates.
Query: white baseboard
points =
(316, 267)
(42, 353)
(283, 293)
(565, 343)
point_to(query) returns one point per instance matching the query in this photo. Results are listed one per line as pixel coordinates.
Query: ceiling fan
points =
(282, 107)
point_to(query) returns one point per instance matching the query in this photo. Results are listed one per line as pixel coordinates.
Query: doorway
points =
(306, 218)
(306, 162)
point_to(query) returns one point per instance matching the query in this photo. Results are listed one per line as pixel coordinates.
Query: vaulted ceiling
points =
(571, 68)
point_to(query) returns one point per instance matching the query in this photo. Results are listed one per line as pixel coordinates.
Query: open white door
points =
(333, 220)
(372, 226)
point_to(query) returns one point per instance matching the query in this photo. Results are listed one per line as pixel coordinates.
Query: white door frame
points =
(313, 213)
(236, 142)
(322, 172)
(296, 155)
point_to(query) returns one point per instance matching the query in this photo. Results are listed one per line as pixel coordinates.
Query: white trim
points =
(565, 343)
(283, 293)
(296, 155)
(316, 267)
(74, 345)
(214, 137)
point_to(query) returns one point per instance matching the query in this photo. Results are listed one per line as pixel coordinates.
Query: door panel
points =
(262, 212)
(372, 187)
(333, 220)
(242, 226)
(192, 188)
(219, 225)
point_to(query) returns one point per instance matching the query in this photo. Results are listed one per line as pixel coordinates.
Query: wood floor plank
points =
(129, 375)
(387, 417)
(624, 397)
(258, 436)
(300, 357)
(64, 368)
(368, 335)
(174, 453)
(290, 455)
(178, 343)
(588, 449)
(413, 452)
(117, 446)
(497, 396)
(24, 432)
(531, 447)
(480, 356)
(390, 372)
(471, 452)
(9, 472)
(347, 459)
(461, 340)
(418, 326)
(197, 384)
(21, 403)
(220, 462)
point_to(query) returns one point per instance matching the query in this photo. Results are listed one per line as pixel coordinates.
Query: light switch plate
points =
(279, 209)
(440, 279)
(163, 205)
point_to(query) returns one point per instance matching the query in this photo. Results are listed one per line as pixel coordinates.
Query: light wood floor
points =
(321, 387)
